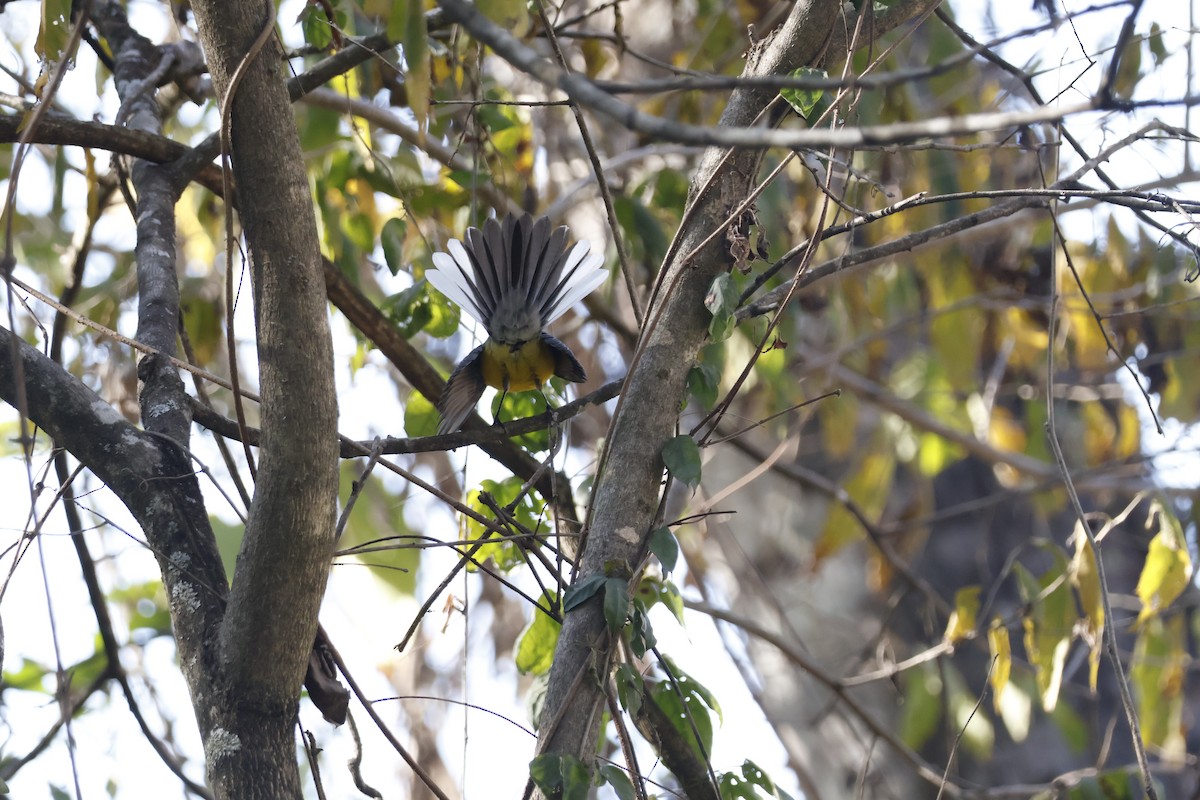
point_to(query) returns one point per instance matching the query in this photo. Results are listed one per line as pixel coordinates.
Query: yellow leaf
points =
(1000, 649)
(838, 417)
(1029, 338)
(596, 57)
(1005, 433)
(1086, 580)
(444, 69)
(512, 15)
(1129, 440)
(476, 530)
(868, 488)
(1089, 348)
(956, 336)
(1168, 568)
(1099, 433)
(417, 80)
(962, 618)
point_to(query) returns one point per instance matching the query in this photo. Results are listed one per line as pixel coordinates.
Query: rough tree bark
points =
(282, 569)
(243, 648)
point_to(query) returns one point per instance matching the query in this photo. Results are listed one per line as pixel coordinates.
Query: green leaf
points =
(1076, 731)
(687, 709)
(663, 545)
(721, 302)
(319, 128)
(445, 315)
(802, 101)
(397, 20)
(535, 646)
(145, 604)
(1154, 41)
(493, 118)
(391, 238)
(507, 13)
(642, 229)
(681, 455)
(755, 776)
(577, 782)
(641, 632)
(30, 676)
(616, 603)
(922, 710)
(504, 551)
(518, 405)
(560, 776)
(54, 30)
(617, 778)
(420, 416)
(1000, 650)
(703, 380)
(229, 542)
(690, 686)
(1085, 577)
(315, 27)
(359, 230)
(1116, 785)
(467, 180)
(380, 517)
(1049, 624)
(1158, 676)
(653, 590)
(409, 309)
(631, 689)
(976, 731)
(581, 591)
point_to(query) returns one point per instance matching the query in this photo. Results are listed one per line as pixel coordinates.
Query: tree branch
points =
(586, 93)
(151, 476)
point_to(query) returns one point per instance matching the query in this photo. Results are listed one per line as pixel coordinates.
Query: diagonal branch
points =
(586, 93)
(627, 499)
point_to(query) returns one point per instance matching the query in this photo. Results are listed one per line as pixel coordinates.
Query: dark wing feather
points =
(463, 390)
(566, 366)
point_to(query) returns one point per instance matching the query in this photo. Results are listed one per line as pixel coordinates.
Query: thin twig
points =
(1110, 636)
(413, 764)
(601, 182)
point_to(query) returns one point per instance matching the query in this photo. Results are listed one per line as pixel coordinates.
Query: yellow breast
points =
(517, 368)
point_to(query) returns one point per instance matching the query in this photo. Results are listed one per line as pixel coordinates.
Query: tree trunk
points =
(271, 621)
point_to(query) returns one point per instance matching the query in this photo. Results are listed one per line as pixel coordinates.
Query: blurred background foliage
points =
(918, 511)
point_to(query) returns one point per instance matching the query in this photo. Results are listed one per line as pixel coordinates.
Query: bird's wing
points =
(463, 389)
(566, 365)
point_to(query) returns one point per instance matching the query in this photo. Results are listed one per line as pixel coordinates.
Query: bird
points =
(515, 276)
